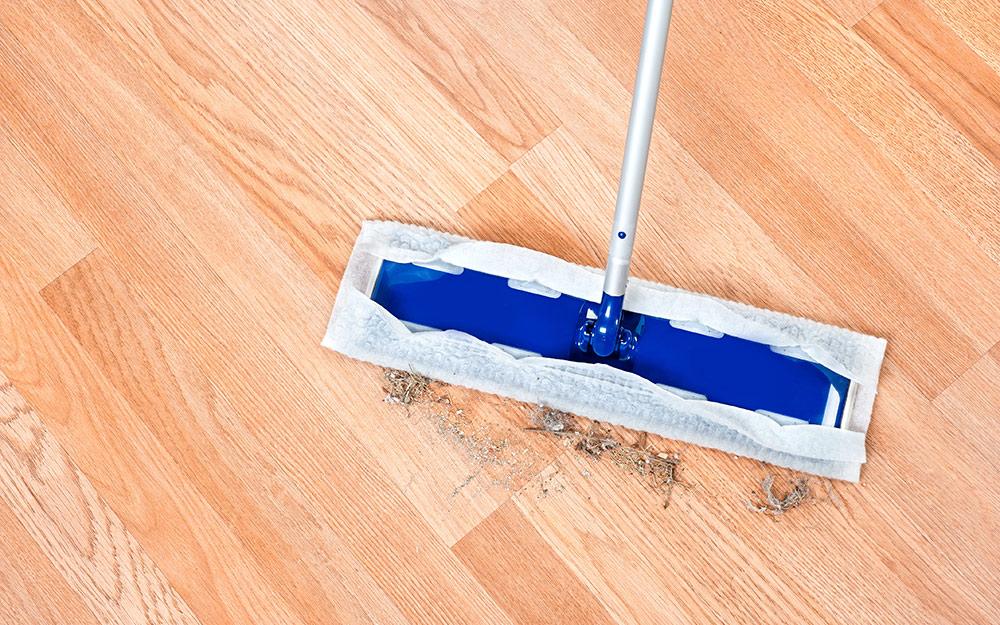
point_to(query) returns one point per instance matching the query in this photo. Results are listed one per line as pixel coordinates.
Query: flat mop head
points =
(508, 320)
(683, 356)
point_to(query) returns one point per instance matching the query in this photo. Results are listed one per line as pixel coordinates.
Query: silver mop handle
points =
(640, 130)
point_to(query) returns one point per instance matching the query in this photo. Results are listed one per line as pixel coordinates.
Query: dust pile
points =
(405, 387)
(660, 470)
(488, 446)
(780, 503)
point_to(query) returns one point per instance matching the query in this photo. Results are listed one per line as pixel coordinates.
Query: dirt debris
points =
(661, 470)
(549, 484)
(489, 445)
(486, 445)
(781, 503)
(406, 387)
(552, 420)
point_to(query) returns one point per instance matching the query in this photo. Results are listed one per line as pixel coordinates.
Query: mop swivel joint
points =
(604, 335)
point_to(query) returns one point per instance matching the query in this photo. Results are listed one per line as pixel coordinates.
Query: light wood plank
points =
(332, 137)
(456, 457)
(474, 79)
(933, 155)
(977, 23)
(692, 234)
(643, 567)
(222, 157)
(251, 261)
(941, 67)
(496, 214)
(971, 406)
(39, 233)
(178, 402)
(34, 591)
(720, 251)
(851, 11)
(545, 591)
(928, 519)
(57, 505)
(294, 552)
(141, 479)
(363, 506)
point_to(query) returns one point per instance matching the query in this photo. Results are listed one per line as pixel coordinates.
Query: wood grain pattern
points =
(495, 213)
(201, 309)
(935, 157)
(34, 591)
(180, 187)
(642, 564)
(969, 405)
(285, 146)
(851, 11)
(804, 173)
(941, 66)
(855, 172)
(976, 22)
(296, 553)
(687, 215)
(38, 232)
(57, 505)
(545, 591)
(139, 479)
(487, 94)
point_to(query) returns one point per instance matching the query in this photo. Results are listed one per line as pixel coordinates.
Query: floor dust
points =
(661, 470)
(490, 449)
(405, 387)
(771, 503)
(487, 446)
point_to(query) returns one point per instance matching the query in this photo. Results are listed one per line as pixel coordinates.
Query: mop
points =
(523, 324)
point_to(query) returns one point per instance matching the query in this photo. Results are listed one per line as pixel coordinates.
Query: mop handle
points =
(640, 130)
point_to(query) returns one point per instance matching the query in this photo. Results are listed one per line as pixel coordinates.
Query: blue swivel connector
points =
(604, 336)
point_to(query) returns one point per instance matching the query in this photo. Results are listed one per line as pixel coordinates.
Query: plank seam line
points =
(993, 352)
(865, 16)
(510, 167)
(66, 270)
(509, 500)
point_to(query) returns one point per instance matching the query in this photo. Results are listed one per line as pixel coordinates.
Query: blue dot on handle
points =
(621, 235)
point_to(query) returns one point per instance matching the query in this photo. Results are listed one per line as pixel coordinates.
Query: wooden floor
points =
(181, 183)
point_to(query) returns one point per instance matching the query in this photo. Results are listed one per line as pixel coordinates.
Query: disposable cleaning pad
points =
(363, 328)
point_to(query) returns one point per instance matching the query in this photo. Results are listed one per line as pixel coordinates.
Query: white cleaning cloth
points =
(363, 329)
